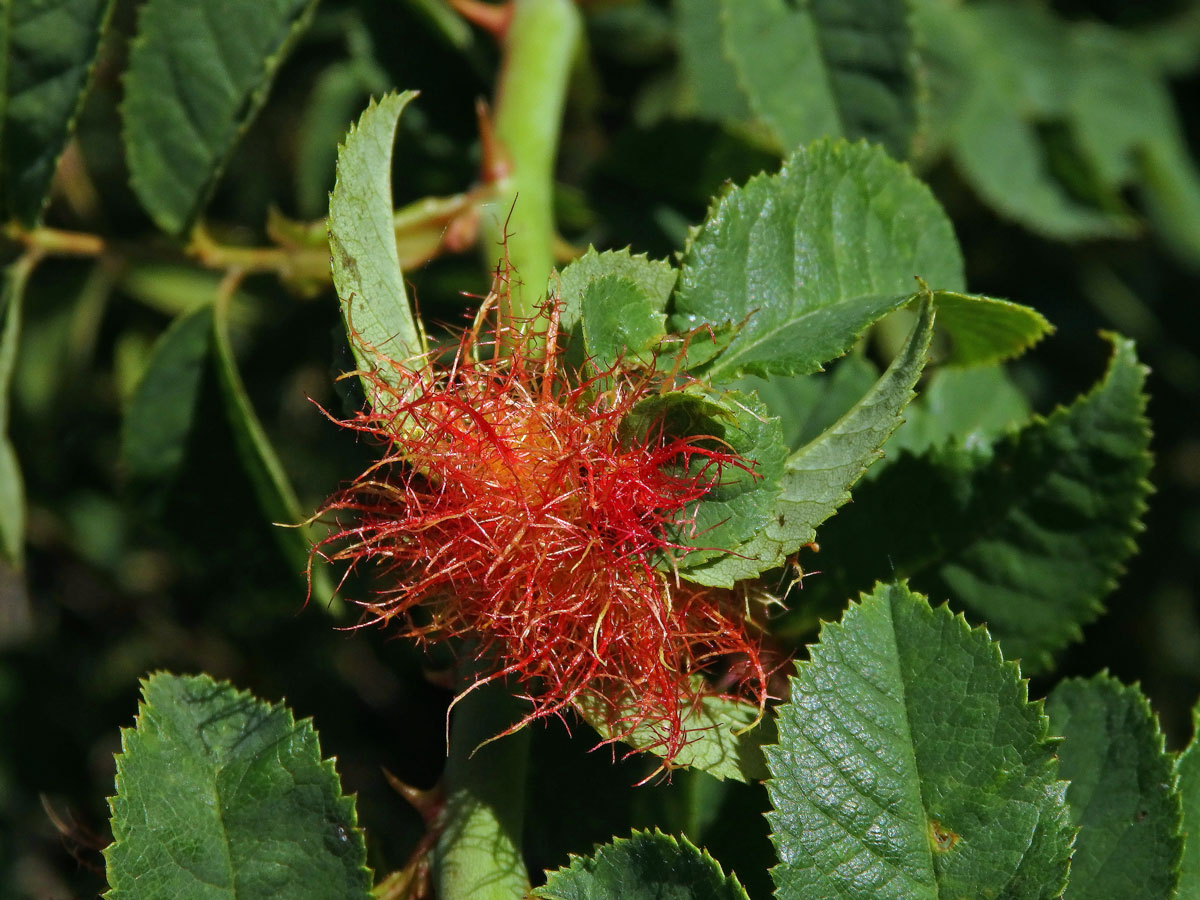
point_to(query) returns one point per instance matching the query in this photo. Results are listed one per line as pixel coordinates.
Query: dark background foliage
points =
(123, 578)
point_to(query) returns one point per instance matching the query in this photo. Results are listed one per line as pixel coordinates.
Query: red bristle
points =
(508, 509)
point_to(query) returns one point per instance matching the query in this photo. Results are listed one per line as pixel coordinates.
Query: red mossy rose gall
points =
(511, 507)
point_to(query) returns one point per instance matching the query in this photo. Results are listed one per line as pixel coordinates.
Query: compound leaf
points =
(911, 764)
(648, 865)
(366, 264)
(1122, 795)
(826, 67)
(1027, 534)
(220, 795)
(47, 49)
(198, 74)
(811, 256)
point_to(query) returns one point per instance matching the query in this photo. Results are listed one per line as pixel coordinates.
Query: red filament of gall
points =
(510, 508)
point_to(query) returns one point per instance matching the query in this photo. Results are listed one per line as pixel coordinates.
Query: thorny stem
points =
(540, 45)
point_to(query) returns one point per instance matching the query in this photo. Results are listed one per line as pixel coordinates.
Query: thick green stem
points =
(478, 856)
(539, 49)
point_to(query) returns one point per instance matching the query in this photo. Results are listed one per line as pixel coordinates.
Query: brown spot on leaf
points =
(942, 838)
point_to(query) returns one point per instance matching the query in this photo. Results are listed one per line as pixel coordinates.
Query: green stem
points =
(478, 856)
(539, 49)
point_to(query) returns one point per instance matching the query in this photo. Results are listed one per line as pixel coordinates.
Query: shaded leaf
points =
(366, 264)
(1187, 770)
(198, 74)
(1027, 535)
(272, 489)
(968, 406)
(740, 503)
(1122, 796)
(645, 866)
(808, 404)
(812, 256)
(708, 81)
(159, 417)
(912, 765)
(817, 477)
(47, 49)
(220, 795)
(838, 68)
(12, 486)
(724, 739)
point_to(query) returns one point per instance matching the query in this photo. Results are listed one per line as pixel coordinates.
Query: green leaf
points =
(739, 505)
(366, 266)
(1003, 73)
(160, 414)
(985, 330)
(12, 486)
(826, 68)
(274, 492)
(724, 740)
(1187, 770)
(1027, 535)
(808, 404)
(817, 477)
(811, 256)
(1122, 795)
(198, 74)
(47, 49)
(220, 795)
(708, 81)
(645, 866)
(968, 406)
(621, 321)
(656, 278)
(911, 765)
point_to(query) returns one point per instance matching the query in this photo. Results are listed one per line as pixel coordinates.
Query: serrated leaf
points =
(12, 486)
(826, 68)
(621, 321)
(985, 330)
(366, 264)
(912, 765)
(272, 488)
(47, 48)
(1027, 535)
(811, 256)
(198, 74)
(723, 739)
(817, 477)
(655, 277)
(1122, 795)
(1187, 771)
(160, 413)
(220, 795)
(645, 866)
